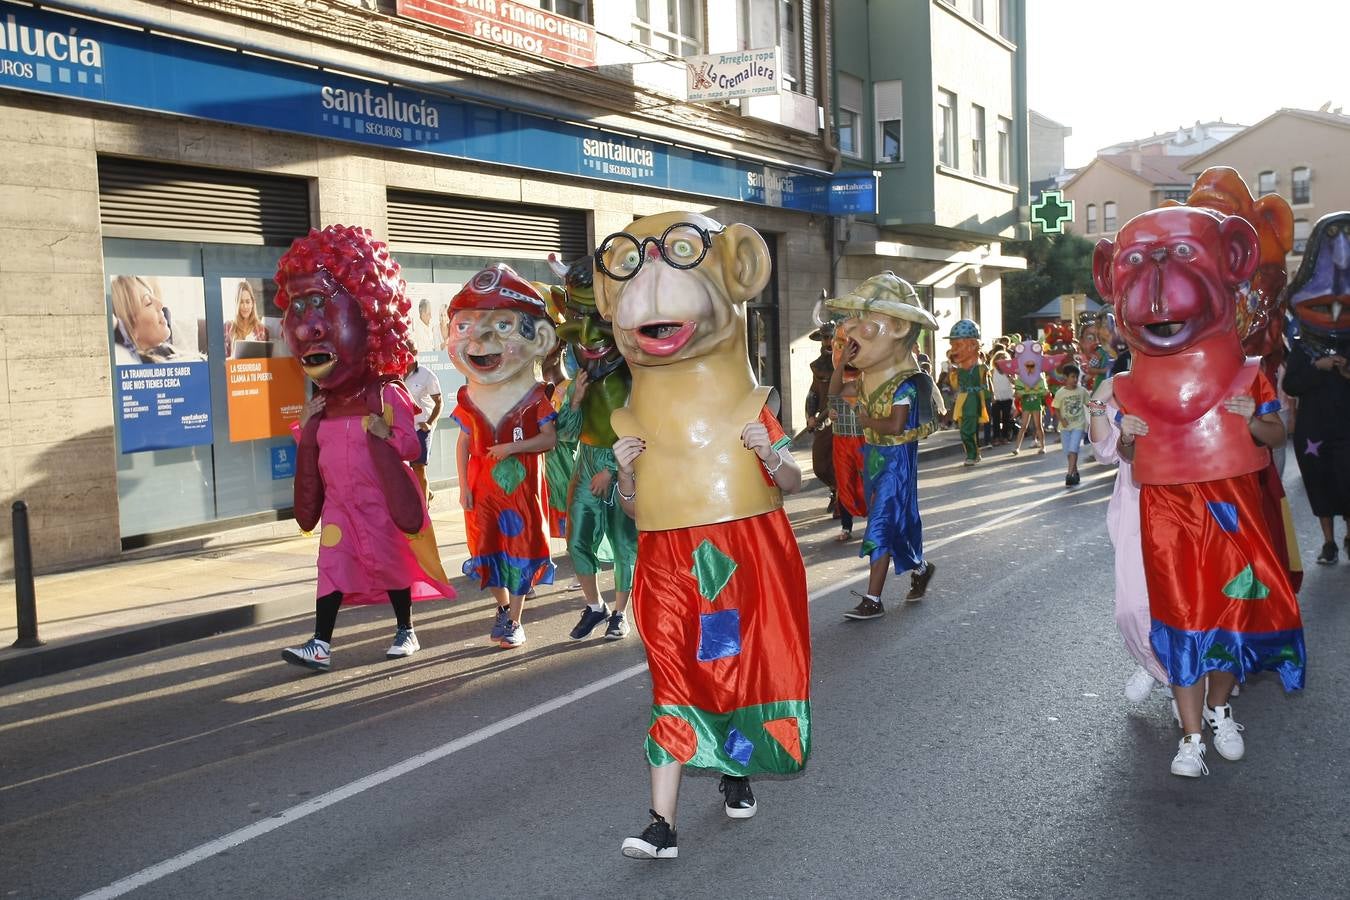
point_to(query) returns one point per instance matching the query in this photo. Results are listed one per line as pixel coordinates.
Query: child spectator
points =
(1001, 410)
(1071, 401)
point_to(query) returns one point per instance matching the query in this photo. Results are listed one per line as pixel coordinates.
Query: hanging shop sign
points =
(160, 374)
(731, 75)
(516, 26)
(50, 53)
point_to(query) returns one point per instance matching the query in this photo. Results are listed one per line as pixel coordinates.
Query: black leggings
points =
(1001, 416)
(326, 610)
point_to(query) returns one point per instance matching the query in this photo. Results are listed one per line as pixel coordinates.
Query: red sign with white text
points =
(516, 26)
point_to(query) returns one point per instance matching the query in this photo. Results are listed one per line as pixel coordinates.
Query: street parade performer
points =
(345, 319)
(970, 381)
(719, 595)
(499, 329)
(1028, 367)
(896, 412)
(1318, 375)
(1198, 419)
(846, 439)
(599, 531)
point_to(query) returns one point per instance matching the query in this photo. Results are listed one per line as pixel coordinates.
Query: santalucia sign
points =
(726, 76)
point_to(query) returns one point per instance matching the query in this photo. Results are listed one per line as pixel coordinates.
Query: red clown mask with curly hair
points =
(346, 313)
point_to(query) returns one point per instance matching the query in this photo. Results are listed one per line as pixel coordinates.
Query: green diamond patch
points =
(713, 570)
(875, 463)
(509, 473)
(1220, 652)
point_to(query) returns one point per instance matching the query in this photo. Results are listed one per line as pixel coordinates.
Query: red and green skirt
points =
(722, 612)
(848, 467)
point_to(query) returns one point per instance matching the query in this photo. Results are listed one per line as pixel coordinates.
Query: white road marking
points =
(323, 801)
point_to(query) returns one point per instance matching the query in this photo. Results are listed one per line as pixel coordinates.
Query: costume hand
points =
(626, 450)
(1133, 426)
(600, 483)
(756, 437)
(1241, 406)
(313, 406)
(377, 426)
(499, 452)
(465, 499)
(579, 385)
(811, 424)
(424, 427)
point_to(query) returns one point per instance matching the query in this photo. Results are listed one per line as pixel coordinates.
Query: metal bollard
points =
(25, 596)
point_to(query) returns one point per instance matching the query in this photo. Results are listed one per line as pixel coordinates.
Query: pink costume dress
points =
(362, 553)
(1122, 523)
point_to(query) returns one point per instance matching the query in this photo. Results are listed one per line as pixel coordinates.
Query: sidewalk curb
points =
(63, 655)
(56, 657)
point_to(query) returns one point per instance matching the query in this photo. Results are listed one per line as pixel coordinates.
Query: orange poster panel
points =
(264, 396)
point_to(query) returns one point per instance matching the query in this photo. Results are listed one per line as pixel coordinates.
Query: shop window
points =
(1265, 183)
(1005, 150)
(1109, 216)
(1300, 190)
(1302, 229)
(850, 114)
(671, 26)
(1092, 218)
(970, 303)
(946, 123)
(977, 139)
(888, 101)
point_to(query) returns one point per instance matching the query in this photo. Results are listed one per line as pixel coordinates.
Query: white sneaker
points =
(1139, 686)
(313, 654)
(1227, 733)
(1190, 759)
(405, 644)
(513, 637)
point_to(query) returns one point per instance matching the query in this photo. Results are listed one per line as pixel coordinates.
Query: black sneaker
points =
(740, 800)
(918, 584)
(1328, 555)
(867, 609)
(657, 841)
(618, 627)
(590, 618)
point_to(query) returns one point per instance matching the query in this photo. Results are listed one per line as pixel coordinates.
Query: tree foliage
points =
(1056, 264)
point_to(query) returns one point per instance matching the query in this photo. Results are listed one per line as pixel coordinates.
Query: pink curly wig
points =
(364, 268)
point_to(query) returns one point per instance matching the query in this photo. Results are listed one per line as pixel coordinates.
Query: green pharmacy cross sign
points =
(1052, 211)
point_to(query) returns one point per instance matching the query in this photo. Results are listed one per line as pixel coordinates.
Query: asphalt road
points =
(973, 745)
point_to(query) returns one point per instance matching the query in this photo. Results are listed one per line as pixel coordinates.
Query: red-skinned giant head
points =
(345, 309)
(1171, 274)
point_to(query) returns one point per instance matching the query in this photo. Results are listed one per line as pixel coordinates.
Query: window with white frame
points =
(1092, 218)
(977, 10)
(1302, 229)
(1109, 216)
(946, 125)
(1005, 150)
(671, 26)
(850, 114)
(1005, 22)
(977, 160)
(888, 106)
(1300, 189)
(1265, 183)
(783, 24)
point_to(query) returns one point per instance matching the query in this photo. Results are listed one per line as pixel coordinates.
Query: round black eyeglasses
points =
(683, 246)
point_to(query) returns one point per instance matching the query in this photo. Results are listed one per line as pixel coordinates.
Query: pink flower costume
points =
(1122, 523)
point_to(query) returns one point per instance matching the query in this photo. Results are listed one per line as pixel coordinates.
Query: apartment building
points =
(931, 95)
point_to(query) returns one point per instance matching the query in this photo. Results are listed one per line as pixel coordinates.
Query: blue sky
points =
(1115, 71)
